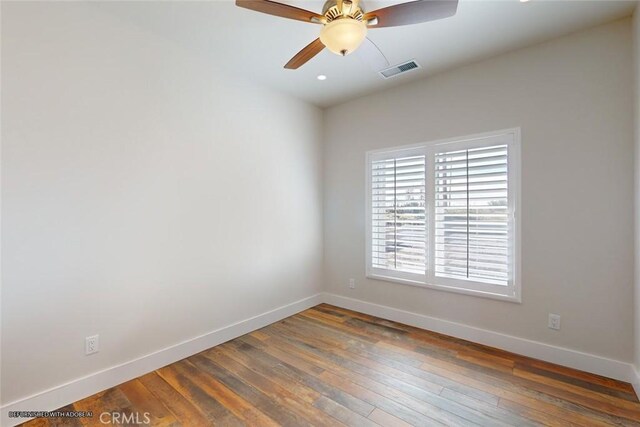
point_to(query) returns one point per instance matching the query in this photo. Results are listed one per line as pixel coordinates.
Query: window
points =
(398, 215)
(443, 215)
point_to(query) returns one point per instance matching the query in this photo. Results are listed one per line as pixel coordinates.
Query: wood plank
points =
(342, 414)
(284, 357)
(385, 419)
(283, 396)
(38, 422)
(397, 361)
(420, 399)
(581, 375)
(180, 377)
(389, 402)
(491, 411)
(230, 400)
(396, 402)
(390, 376)
(110, 400)
(259, 335)
(341, 312)
(598, 401)
(257, 363)
(538, 401)
(535, 415)
(182, 409)
(355, 390)
(346, 400)
(146, 405)
(461, 373)
(578, 380)
(268, 404)
(441, 378)
(316, 314)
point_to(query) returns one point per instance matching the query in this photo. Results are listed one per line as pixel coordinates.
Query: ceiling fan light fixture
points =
(343, 36)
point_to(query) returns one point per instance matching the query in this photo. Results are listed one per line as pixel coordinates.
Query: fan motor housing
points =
(332, 12)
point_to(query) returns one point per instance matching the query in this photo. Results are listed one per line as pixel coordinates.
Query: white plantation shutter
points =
(443, 215)
(471, 215)
(398, 214)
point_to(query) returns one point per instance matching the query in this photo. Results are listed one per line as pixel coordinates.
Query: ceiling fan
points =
(345, 23)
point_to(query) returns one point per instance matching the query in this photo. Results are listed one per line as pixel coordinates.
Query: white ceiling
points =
(257, 46)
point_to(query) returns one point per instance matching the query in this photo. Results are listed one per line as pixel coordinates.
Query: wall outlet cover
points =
(91, 344)
(554, 321)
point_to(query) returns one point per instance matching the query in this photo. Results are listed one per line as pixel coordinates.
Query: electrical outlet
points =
(352, 283)
(91, 344)
(554, 321)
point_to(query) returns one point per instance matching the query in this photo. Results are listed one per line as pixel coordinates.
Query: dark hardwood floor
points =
(328, 366)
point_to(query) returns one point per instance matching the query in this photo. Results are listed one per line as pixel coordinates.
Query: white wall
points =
(145, 196)
(572, 100)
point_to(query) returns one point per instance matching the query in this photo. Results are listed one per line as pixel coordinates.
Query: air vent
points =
(399, 69)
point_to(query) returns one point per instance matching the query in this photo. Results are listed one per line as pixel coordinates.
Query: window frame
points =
(511, 138)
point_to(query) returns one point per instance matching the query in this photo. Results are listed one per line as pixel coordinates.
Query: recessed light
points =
(321, 77)
(524, 1)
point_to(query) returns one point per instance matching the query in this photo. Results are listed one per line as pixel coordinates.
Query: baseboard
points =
(562, 356)
(80, 388)
(635, 382)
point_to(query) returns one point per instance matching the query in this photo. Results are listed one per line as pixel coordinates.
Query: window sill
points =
(500, 297)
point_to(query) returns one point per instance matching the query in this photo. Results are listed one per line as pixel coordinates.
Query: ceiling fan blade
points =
(282, 10)
(413, 12)
(370, 54)
(311, 50)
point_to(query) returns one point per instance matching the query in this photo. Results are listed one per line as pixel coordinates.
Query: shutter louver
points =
(472, 215)
(398, 217)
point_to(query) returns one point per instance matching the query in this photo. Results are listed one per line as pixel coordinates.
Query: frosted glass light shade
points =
(343, 36)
